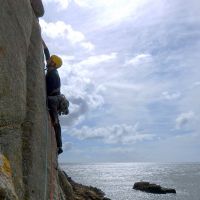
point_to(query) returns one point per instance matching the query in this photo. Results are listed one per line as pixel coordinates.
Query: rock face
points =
(152, 188)
(26, 137)
(28, 159)
(37, 7)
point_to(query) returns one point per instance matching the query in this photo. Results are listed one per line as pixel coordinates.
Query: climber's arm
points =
(46, 51)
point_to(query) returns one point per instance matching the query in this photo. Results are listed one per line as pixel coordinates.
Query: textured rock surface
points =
(66, 186)
(152, 188)
(28, 159)
(37, 7)
(7, 190)
(25, 138)
(82, 192)
(16, 19)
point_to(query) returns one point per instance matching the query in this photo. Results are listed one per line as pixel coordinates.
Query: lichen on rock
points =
(7, 190)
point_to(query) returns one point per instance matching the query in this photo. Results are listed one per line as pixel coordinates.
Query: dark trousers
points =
(53, 110)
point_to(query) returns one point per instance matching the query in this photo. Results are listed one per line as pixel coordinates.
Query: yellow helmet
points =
(57, 60)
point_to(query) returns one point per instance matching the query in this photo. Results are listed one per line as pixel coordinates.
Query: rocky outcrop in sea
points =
(152, 188)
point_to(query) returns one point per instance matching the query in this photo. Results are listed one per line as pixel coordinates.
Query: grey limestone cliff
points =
(25, 133)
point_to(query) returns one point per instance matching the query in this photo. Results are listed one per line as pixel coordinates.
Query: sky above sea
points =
(132, 75)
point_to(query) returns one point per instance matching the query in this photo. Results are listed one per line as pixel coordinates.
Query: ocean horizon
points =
(117, 179)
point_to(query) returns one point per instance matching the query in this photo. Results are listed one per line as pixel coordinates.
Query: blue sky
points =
(131, 72)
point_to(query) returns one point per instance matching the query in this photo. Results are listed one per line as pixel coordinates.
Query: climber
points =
(53, 92)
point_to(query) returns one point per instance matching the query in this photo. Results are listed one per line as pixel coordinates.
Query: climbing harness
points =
(63, 107)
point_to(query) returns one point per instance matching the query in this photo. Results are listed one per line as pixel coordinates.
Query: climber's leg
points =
(58, 135)
(52, 104)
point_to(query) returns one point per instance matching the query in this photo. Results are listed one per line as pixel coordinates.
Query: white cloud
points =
(98, 59)
(112, 11)
(54, 30)
(67, 146)
(81, 88)
(63, 4)
(171, 96)
(67, 58)
(88, 45)
(83, 3)
(74, 36)
(141, 58)
(78, 108)
(124, 134)
(140, 66)
(81, 103)
(125, 86)
(59, 29)
(197, 83)
(184, 118)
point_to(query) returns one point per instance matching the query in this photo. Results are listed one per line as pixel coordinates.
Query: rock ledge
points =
(82, 192)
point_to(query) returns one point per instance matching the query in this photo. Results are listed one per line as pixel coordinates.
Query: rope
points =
(46, 157)
(52, 175)
(51, 183)
(47, 134)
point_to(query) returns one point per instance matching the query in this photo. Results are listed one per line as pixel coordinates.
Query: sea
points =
(117, 179)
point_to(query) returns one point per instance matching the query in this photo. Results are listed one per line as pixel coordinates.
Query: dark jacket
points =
(53, 83)
(52, 79)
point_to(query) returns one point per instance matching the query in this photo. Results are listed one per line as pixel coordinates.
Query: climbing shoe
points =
(60, 150)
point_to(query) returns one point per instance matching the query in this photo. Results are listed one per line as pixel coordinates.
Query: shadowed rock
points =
(38, 8)
(82, 192)
(152, 188)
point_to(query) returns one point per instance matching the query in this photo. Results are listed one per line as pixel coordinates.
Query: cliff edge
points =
(24, 126)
